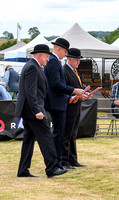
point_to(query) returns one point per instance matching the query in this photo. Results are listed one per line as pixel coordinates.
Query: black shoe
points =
(27, 175)
(60, 166)
(57, 172)
(78, 165)
(68, 167)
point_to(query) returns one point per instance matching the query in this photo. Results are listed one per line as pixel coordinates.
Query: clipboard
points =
(97, 89)
(73, 98)
(87, 88)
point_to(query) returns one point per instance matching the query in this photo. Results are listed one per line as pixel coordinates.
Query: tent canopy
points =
(89, 46)
(116, 43)
(19, 55)
(16, 46)
(78, 38)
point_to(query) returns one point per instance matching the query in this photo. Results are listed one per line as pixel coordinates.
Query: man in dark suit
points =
(30, 106)
(69, 153)
(58, 92)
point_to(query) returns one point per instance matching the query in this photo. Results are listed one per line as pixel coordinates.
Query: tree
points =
(26, 40)
(33, 32)
(112, 36)
(51, 37)
(99, 34)
(93, 34)
(8, 35)
(7, 44)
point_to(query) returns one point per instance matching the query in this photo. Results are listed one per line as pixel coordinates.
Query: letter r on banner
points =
(13, 125)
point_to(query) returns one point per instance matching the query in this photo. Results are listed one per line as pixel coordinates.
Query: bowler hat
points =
(41, 48)
(62, 42)
(74, 53)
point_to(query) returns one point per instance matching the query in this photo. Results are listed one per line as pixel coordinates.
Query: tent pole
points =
(103, 66)
(17, 33)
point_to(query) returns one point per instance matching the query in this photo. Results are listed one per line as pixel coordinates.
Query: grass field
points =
(98, 181)
(3, 41)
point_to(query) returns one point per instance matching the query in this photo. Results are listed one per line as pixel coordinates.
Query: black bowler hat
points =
(74, 53)
(41, 48)
(62, 42)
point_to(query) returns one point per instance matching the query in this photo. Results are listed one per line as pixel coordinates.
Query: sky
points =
(55, 17)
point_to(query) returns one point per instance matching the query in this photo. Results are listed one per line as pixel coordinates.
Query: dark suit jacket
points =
(32, 91)
(72, 80)
(57, 88)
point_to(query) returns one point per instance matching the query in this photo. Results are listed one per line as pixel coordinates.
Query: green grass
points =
(98, 181)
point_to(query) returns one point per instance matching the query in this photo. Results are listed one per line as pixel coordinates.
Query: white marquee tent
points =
(89, 46)
(19, 55)
(101, 52)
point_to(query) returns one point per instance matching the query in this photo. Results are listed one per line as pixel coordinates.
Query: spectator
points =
(4, 94)
(11, 78)
(115, 99)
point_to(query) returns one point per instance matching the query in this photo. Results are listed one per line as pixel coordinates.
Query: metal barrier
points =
(107, 123)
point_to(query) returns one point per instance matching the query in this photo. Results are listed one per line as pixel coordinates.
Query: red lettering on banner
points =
(2, 126)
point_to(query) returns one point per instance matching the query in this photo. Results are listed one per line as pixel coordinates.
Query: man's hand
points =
(88, 94)
(116, 102)
(40, 115)
(83, 97)
(78, 91)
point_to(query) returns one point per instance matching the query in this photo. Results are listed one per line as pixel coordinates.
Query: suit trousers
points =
(58, 120)
(39, 130)
(69, 152)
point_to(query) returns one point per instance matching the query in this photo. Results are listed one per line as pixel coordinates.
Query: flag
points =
(18, 32)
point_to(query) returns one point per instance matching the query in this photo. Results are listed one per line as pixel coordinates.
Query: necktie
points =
(75, 71)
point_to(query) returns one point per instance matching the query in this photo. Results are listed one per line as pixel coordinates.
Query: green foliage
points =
(112, 36)
(51, 37)
(33, 32)
(93, 34)
(106, 36)
(99, 34)
(106, 39)
(8, 35)
(26, 40)
(8, 44)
